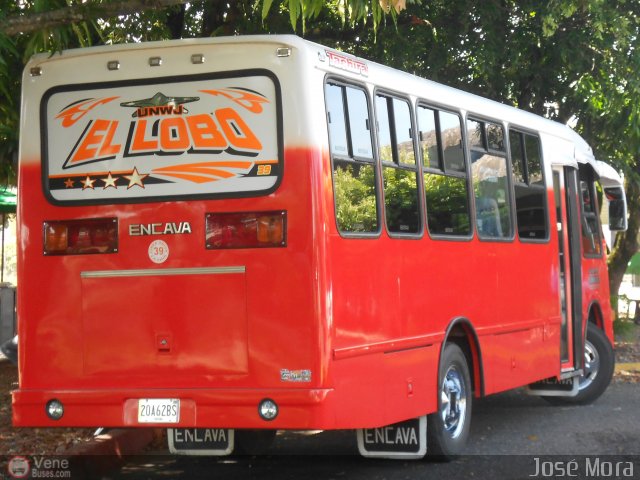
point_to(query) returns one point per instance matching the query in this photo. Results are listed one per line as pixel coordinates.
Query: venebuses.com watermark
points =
(38, 467)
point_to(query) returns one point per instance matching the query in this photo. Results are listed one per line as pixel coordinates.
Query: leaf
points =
(266, 6)
(293, 13)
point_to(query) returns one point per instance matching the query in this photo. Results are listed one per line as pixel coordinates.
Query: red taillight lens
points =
(246, 230)
(73, 237)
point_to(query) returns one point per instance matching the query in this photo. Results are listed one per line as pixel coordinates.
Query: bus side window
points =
(354, 174)
(528, 184)
(444, 172)
(591, 238)
(399, 168)
(490, 183)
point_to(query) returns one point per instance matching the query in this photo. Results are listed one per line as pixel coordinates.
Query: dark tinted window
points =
(591, 235)
(529, 188)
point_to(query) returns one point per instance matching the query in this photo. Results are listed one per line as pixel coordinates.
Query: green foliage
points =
(199, 18)
(354, 189)
(447, 204)
(350, 12)
(401, 199)
(567, 59)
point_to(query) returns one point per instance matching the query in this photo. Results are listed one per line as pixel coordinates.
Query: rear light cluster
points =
(246, 230)
(73, 237)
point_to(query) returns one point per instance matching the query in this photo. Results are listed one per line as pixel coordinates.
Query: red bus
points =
(252, 234)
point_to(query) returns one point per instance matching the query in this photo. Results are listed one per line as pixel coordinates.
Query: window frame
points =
(395, 163)
(506, 154)
(422, 103)
(350, 158)
(586, 174)
(544, 187)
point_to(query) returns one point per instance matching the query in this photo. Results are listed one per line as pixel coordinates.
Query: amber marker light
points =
(78, 237)
(246, 230)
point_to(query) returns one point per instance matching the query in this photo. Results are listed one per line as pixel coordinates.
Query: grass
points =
(624, 328)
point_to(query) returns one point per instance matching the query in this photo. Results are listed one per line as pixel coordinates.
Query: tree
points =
(569, 60)
(29, 27)
(565, 59)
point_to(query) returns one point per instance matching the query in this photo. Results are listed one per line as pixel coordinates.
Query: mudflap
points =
(555, 387)
(201, 441)
(405, 440)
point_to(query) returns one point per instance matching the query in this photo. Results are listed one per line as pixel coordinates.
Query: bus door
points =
(565, 189)
(566, 192)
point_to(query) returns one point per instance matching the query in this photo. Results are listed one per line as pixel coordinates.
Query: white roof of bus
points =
(383, 76)
(609, 177)
(448, 96)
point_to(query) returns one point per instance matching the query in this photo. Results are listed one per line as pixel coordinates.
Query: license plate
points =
(404, 440)
(158, 410)
(200, 441)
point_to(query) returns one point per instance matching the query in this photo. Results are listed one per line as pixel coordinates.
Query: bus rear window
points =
(204, 136)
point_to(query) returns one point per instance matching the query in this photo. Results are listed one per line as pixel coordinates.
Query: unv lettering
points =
(161, 110)
(170, 228)
(391, 436)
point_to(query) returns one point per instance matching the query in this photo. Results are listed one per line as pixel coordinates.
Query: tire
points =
(448, 428)
(599, 363)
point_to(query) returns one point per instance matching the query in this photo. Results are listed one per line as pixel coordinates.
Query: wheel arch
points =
(595, 315)
(461, 331)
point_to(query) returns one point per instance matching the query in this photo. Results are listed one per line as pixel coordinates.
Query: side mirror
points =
(617, 208)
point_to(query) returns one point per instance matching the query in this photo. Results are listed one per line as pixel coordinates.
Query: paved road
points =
(508, 432)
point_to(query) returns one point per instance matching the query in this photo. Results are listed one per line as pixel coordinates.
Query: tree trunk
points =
(175, 21)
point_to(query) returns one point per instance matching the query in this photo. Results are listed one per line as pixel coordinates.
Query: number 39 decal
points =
(158, 251)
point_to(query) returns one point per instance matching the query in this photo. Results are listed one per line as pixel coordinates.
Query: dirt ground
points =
(50, 441)
(628, 354)
(30, 441)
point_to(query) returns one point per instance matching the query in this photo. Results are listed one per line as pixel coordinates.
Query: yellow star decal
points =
(87, 183)
(68, 183)
(135, 178)
(110, 182)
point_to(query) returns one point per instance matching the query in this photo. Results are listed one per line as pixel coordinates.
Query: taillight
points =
(246, 230)
(73, 237)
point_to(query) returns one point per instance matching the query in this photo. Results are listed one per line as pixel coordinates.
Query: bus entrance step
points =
(554, 387)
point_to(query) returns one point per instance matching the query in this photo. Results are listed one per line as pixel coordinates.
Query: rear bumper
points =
(228, 408)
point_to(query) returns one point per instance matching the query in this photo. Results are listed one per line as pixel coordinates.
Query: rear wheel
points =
(448, 428)
(599, 362)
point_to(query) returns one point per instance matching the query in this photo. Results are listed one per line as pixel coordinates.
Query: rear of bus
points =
(168, 269)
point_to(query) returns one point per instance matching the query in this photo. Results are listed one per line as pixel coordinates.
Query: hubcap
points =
(453, 402)
(591, 365)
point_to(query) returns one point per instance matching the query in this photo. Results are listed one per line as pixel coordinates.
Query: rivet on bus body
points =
(268, 409)
(197, 58)
(35, 71)
(54, 409)
(155, 61)
(283, 52)
(113, 65)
